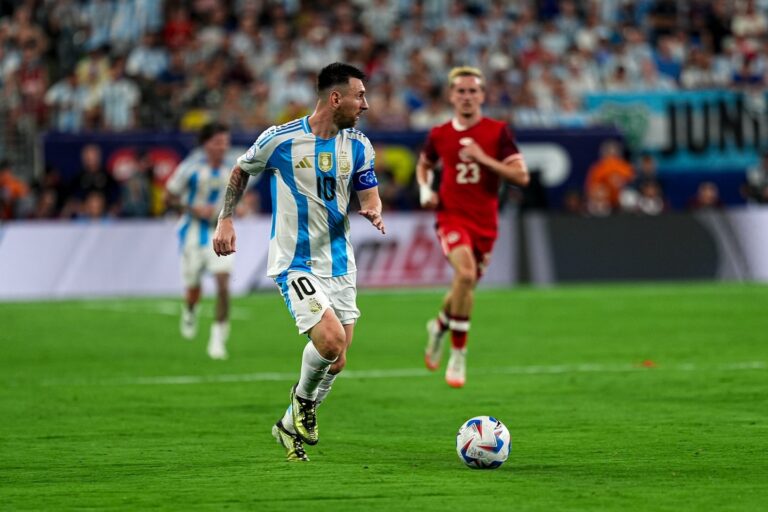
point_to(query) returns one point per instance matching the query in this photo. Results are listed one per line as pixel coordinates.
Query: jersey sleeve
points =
(430, 149)
(507, 146)
(255, 159)
(364, 176)
(177, 183)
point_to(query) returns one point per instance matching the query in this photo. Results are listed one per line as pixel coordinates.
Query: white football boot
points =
(434, 351)
(456, 371)
(188, 321)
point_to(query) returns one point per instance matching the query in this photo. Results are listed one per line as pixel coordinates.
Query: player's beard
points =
(344, 121)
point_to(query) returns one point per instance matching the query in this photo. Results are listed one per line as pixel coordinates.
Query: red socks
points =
(459, 326)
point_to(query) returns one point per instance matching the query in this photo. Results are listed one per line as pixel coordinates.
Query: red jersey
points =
(469, 192)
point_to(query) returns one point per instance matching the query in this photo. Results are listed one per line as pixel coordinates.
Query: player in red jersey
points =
(476, 153)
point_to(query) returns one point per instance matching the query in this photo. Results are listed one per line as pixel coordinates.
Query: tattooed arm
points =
(224, 237)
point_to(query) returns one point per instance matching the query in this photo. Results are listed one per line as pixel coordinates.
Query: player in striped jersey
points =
(197, 188)
(313, 163)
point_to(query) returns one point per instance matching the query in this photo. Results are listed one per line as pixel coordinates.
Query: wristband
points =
(425, 194)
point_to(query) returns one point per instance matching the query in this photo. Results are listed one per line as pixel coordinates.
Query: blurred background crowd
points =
(125, 65)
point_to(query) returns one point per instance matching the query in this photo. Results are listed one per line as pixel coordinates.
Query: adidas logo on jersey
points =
(304, 163)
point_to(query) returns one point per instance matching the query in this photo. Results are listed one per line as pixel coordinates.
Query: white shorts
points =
(197, 259)
(308, 296)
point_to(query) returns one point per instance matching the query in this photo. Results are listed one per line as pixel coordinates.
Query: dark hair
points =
(337, 73)
(211, 129)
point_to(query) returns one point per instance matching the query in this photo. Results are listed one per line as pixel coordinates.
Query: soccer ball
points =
(483, 442)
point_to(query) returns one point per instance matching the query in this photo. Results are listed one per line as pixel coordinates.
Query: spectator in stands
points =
(68, 101)
(598, 201)
(119, 100)
(149, 59)
(93, 206)
(607, 177)
(93, 68)
(651, 200)
(93, 178)
(178, 31)
(573, 203)
(755, 189)
(387, 112)
(14, 194)
(50, 194)
(33, 82)
(651, 80)
(433, 113)
(646, 171)
(698, 72)
(748, 21)
(667, 61)
(135, 194)
(707, 197)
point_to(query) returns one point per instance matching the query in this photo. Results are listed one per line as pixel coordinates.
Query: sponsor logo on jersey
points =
(314, 305)
(304, 163)
(325, 161)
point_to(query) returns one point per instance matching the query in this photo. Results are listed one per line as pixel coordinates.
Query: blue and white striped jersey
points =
(198, 184)
(311, 180)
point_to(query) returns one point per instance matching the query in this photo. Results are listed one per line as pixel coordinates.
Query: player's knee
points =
(339, 364)
(467, 277)
(330, 339)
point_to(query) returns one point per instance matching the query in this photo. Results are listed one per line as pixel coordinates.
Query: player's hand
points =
(203, 212)
(472, 152)
(427, 197)
(374, 217)
(224, 238)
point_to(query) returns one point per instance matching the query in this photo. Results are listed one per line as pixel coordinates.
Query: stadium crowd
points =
(119, 65)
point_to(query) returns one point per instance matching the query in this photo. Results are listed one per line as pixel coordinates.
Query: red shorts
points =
(453, 235)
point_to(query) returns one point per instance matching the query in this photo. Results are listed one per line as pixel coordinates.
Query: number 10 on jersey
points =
(326, 187)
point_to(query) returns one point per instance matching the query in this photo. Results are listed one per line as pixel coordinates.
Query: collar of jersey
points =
(460, 127)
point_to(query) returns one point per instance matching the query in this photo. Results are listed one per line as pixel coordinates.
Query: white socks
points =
(220, 331)
(325, 387)
(287, 420)
(314, 368)
(322, 391)
(217, 343)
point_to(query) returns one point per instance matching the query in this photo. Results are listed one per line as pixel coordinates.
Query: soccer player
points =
(197, 188)
(476, 153)
(313, 164)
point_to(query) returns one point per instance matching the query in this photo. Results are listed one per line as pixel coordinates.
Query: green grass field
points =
(636, 397)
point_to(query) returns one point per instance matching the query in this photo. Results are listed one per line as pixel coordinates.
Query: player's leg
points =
(327, 340)
(465, 275)
(450, 237)
(343, 294)
(217, 343)
(436, 329)
(221, 268)
(191, 274)
(308, 301)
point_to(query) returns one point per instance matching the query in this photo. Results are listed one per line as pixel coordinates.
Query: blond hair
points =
(465, 71)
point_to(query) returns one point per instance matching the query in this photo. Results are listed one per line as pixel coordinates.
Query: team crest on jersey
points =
(314, 305)
(345, 165)
(250, 153)
(325, 161)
